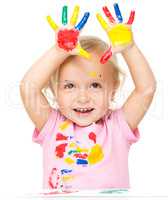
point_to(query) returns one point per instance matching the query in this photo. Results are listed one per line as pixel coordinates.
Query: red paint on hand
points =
(106, 56)
(60, 136)
(92, 136)
(67, 39)
(60, 149)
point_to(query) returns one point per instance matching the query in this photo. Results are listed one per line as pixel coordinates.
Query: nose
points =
(83, 96)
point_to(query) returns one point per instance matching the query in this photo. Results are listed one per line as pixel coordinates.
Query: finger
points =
(106, 56)
(51, 22)
(108, 14)
(65, 15)
(74, 17)
(83, 21)
(131, 18)
(102, 22)
(118, 13)
(82, 52)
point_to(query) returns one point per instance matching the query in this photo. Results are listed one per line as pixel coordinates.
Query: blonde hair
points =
(90, 44)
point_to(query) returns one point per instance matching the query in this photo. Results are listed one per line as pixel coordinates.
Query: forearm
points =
(140, 70)
(39, 73)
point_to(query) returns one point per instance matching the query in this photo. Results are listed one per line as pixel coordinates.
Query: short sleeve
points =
(39, 136)
(131, 136)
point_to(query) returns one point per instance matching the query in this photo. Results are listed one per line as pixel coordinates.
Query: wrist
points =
(129, 49)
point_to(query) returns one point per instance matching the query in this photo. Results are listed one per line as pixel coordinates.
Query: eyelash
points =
(98, 84)
(67, 86)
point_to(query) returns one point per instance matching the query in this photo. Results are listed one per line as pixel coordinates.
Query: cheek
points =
(100, 99)
(64, 99)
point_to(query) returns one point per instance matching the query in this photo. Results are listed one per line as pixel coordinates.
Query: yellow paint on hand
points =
(75, 14)
(51, 22)
(102, 22)
(120, 34)
(82, 52)
(64, 125)
(69, 160)
(96, 154)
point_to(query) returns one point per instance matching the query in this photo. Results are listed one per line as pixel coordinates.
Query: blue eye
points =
(68, 86)
(96, 85)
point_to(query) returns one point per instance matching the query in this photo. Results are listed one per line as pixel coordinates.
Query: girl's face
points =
(85, 88)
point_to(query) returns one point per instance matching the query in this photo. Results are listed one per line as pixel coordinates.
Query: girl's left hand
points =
(119, 33)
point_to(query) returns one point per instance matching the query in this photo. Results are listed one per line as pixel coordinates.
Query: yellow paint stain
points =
(92, 74)
(82, 150)
(64, 125)
(72, 145)
(67, 177)
(68, 160)
(96, 155)
(120, 34)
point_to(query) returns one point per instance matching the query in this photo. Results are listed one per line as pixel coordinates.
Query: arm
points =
(141, 97)
(35, 79)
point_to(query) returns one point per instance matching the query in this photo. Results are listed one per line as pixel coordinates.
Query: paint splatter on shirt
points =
(92, 157)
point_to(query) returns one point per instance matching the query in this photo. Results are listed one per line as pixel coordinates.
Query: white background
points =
(25, 36)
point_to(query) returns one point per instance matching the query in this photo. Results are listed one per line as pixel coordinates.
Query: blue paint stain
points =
(65, 171)
(71, 137)
(81, 162)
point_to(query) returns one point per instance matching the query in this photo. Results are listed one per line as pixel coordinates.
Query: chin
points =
(80, 123)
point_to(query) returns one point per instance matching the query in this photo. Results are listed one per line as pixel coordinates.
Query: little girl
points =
(85, 143)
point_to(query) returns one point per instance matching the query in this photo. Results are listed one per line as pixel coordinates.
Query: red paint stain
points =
(78, 155)
(60, 136)
(50, 181)
(60, 149)
(92, 136)
(67, 39)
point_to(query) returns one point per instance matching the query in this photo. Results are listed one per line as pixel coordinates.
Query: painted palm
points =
(67, 35)
(119, 33)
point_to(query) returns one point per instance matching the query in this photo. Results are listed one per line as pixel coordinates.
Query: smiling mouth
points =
(83, 110)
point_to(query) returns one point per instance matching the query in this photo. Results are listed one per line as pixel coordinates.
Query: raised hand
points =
(119, 33)
(67, 36)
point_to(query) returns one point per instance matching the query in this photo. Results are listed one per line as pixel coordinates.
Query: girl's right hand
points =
(67, 36)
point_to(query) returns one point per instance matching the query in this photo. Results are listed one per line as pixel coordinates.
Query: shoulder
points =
(116, 120)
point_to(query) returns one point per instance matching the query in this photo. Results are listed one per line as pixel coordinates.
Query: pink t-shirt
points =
(92, 157)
